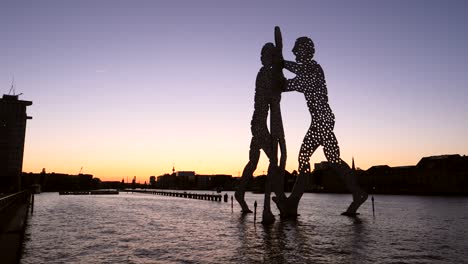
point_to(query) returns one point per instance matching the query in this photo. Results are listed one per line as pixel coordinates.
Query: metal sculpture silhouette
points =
(310, 81)
(268, 87)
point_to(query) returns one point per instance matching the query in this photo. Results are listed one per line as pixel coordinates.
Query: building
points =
(152, 181)
(54, 182)
(440, 175)
(434, 175)
(185, 180)
(12, 133)
(325, 179)
(166, 181)
(189, 180)
(185, 174)
(214, 182)
(444, 174)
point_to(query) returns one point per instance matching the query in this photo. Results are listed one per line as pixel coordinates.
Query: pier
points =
(188, 195)
(95, 192)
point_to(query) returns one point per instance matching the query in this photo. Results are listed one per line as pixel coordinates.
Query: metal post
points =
(255, 211)
(373, 210)
(32, 203)
(232, 204)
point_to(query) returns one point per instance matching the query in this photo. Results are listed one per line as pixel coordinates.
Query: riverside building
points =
(12, 134)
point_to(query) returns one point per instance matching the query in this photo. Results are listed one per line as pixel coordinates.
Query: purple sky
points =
(128, 88)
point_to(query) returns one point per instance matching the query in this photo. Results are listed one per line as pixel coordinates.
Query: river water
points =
(145, 228)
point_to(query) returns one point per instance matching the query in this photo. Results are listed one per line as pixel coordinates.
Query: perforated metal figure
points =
(268, 88)
(310, 81)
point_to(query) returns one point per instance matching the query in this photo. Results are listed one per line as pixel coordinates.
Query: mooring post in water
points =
(32, 203)
(255, 211)
(373, 210)
(232, 204)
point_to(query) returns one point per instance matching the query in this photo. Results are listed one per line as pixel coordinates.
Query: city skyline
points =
(133, 89)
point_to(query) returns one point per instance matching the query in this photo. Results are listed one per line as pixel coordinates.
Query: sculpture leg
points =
(247, 175)
(359, 195)
(267, 215)
(272, 153)
(288, 206)
(309, 146)
(277, 183)
(332, 153)
(310, 143)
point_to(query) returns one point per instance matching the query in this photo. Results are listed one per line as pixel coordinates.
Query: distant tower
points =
(352, 167)
(173, 169)
(12, 133)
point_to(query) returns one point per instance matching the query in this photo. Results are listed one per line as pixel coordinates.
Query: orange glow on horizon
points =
(117, 169)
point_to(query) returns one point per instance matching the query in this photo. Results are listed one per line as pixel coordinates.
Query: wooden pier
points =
(188, 195)
(95, 192)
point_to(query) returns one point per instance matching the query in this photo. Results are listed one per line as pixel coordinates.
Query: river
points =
(145, 228)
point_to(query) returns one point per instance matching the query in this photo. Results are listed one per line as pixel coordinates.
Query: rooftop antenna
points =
(12, 87)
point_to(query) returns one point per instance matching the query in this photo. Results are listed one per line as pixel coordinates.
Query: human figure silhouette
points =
(310, 81)
(268, 87)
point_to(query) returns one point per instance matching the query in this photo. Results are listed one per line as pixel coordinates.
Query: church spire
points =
(353, 168)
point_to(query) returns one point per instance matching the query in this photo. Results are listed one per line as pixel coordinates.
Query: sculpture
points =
(268, 87)
(310, 81)
(270, 83)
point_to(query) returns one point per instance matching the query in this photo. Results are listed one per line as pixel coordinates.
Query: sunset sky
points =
(131, 88)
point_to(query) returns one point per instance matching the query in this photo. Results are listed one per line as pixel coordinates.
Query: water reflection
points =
(356, 242)
(287, 241)
(301, 242)
(273, 244)
(281, 242)
(247, 234)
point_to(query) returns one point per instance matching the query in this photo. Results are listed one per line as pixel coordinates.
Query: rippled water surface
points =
(144, 228)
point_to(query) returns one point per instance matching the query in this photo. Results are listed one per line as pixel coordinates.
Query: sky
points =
(135, 88)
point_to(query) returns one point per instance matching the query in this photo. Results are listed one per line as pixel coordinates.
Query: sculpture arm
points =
(278, 39)
(293, 85)
(279, 81)
(279, 60)
(291, 66)
(296, 83)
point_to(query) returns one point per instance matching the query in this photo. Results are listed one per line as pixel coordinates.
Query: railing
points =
(12, 199)
(13, 217)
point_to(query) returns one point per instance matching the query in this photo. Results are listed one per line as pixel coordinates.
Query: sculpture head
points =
(268, 53)
(304, 49)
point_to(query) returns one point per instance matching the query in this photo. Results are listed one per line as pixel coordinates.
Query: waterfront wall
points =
(14, 210)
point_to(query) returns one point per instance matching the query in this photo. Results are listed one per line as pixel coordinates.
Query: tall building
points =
(12, 132)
